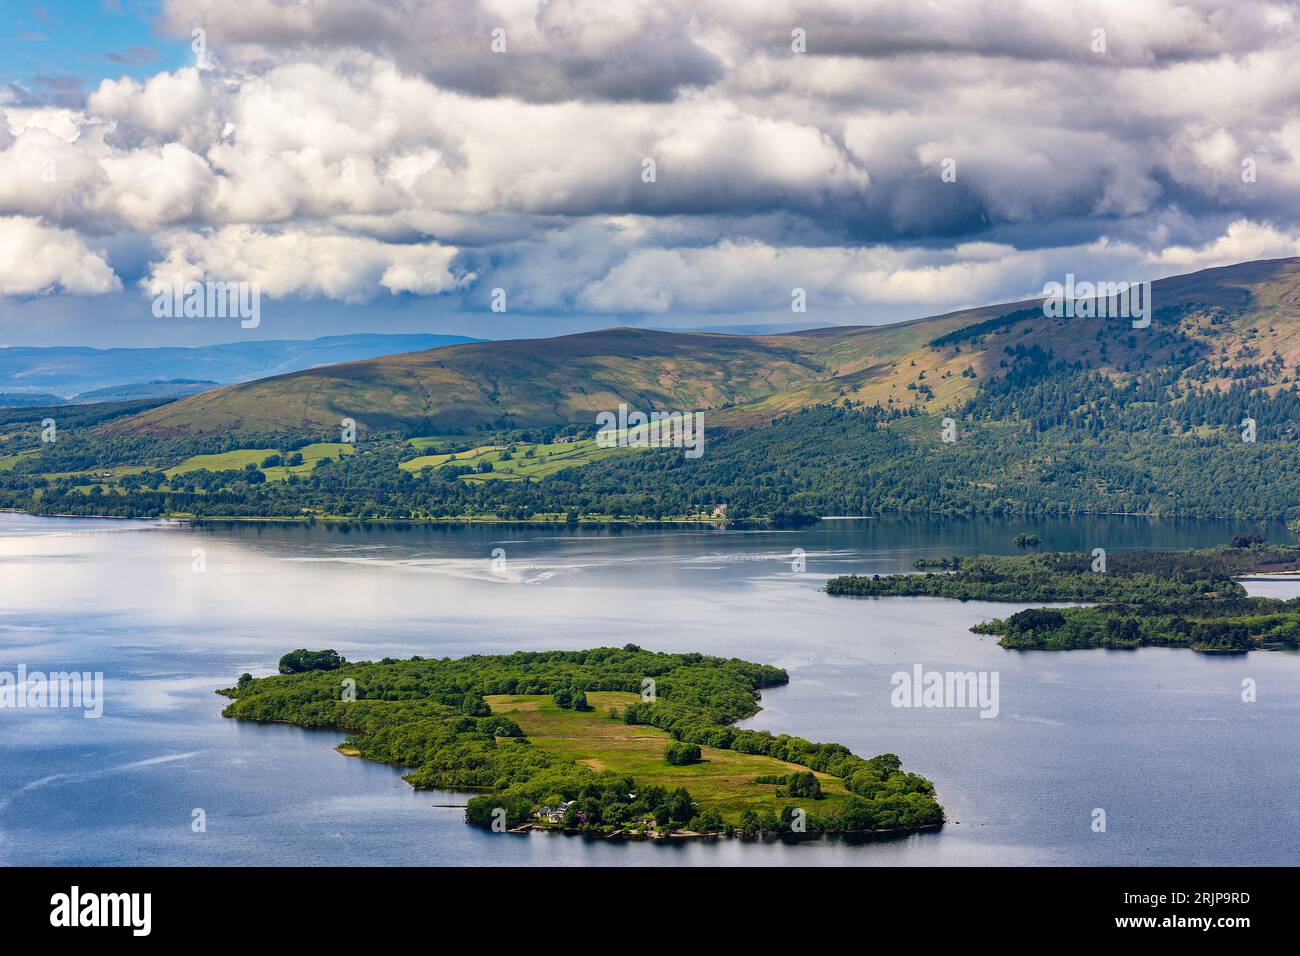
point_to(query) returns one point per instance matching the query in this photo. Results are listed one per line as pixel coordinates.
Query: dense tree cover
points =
(968, 333)
(1131, 576)
(16, 421)
(1155, 598)
(430, 717)
(820, 461)
(1041, 436)
(1218, 624)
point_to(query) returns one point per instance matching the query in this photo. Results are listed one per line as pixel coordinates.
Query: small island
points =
(608, 742)
(1137, 598)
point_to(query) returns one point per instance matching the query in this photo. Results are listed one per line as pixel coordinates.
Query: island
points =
(1135, 598)
(608, 742)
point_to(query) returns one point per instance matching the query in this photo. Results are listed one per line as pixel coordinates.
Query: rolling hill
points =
(67, 371)
(1235, 324)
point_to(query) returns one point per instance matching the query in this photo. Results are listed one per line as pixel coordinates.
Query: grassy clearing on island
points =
(723, 780)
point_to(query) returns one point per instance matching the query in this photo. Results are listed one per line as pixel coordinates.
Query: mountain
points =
(166, 388)
(1238, 325)
(29, 399)
(69, 371)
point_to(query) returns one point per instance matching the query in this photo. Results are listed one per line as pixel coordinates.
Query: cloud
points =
(1243, 241)
(168, 106)
(544, 52)
(654, 50)
(392, 150)
(297, 263)
(732, 277)
(37, 260)
(133, 56)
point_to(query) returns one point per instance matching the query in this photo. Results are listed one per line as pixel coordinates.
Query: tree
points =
(680, 806)
(303, 660)
(570, 698)
(678, 753)
(803, 784)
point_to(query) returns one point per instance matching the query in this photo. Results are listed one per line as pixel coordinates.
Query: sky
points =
(516, 168)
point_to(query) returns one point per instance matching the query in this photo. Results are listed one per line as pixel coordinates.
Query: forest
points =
(1142, 598)
(1044, 437)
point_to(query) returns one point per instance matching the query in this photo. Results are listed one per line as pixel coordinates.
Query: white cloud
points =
(1244, 240)
(167, 107)
(37, 260)
(752, 276)
(296, 263)
(374, 146)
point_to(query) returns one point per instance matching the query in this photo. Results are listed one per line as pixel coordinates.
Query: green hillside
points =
(489, 384)
(1059, 416)
(1217, 326)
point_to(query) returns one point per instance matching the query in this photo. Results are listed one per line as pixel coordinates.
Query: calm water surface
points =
(1160, 739)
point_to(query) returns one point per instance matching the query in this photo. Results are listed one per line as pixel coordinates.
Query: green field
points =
(723, 780)
(7, 462)
(241, 457)
(117, 471)
(310, 455)
(449, 442)
(524, 462)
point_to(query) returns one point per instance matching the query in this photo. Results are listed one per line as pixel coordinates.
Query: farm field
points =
(722, 780)
(524, 462)
(241, 457)
(7, 462)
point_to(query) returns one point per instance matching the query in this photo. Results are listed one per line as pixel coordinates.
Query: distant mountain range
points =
(1238, 324)
(167, 388)
(48, 376)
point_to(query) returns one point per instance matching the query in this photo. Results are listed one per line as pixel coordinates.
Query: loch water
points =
(1160, 739)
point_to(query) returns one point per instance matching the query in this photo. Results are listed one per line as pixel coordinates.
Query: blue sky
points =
(68, 46)
(385, 165)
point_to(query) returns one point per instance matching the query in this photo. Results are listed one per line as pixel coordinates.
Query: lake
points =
(1160, 739)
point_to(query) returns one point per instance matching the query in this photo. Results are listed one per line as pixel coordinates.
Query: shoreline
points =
(703, 521)
(653, 836)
